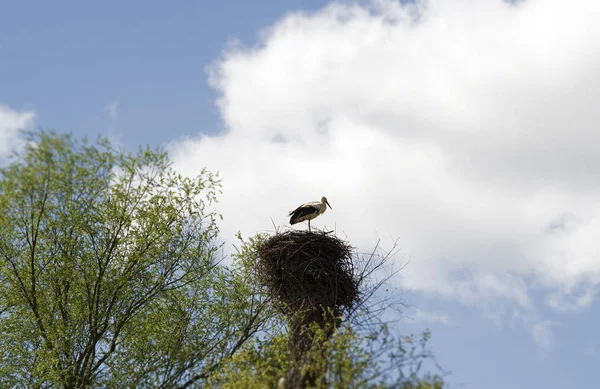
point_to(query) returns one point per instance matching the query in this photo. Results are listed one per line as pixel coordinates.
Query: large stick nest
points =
(307, 270)
(312, 277)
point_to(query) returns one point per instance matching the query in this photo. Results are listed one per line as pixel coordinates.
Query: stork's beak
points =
(328, 204)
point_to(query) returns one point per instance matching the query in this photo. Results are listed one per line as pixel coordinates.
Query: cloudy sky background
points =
(466, 130)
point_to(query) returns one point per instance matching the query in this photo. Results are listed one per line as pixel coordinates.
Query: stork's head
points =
(324, 201)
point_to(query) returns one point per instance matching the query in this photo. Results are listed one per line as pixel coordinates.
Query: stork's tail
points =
(295, 214)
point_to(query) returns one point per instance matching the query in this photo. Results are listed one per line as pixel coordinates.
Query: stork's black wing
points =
(302, 210)
(295, 210)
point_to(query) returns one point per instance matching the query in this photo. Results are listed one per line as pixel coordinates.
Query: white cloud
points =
(564, 301)
(419, 316)
(11, 122)
(467, 129)
(589, 351)
(113, 110)
(542, 331)
(543, 334)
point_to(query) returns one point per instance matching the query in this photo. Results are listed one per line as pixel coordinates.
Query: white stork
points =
(309, 211)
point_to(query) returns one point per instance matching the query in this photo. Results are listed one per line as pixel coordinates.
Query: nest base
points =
(311, 276)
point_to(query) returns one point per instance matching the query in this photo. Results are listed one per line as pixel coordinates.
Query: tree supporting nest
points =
(312, 277)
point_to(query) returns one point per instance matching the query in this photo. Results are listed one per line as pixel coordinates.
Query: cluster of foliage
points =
(345, 360)
(111, 276)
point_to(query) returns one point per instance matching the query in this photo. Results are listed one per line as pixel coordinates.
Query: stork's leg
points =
(309, 225)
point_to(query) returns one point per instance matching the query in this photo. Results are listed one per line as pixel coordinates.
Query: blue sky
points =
(68, 61)
(465, 132)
